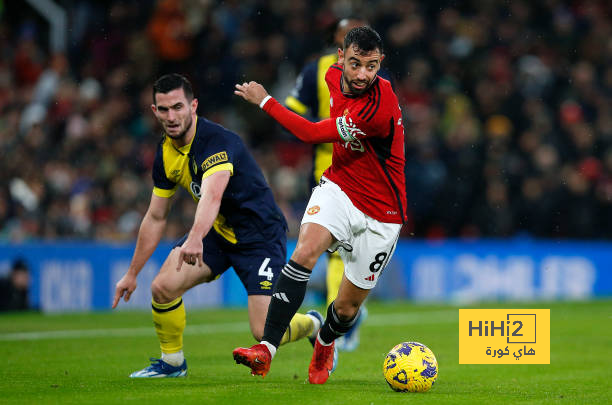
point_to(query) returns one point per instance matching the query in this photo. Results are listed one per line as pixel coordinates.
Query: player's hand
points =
(190, 253)
(125, 286)
(252, 92)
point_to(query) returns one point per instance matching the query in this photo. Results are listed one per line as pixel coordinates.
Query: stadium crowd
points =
(507, 109)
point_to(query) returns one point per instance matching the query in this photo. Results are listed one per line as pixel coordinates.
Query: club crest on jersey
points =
(214, 159)
(313, 210)
(196, 190)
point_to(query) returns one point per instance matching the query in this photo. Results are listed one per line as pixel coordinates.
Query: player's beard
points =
(181, 135)
(354, 90)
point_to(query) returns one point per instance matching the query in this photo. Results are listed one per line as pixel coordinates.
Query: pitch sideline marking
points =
(446, 316)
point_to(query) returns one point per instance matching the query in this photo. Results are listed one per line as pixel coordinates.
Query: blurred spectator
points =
(14, 288)
(170, 34)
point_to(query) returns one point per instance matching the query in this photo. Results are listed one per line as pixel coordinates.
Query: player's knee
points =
(161, 294)
(306, 254)
(346, 310)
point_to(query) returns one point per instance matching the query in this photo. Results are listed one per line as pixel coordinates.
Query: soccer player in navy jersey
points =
(359, 206)
(237, 224)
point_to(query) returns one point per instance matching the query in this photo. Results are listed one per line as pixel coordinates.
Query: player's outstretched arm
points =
(311, 132)
(149, 235)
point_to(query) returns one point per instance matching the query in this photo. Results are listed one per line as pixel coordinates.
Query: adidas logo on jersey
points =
(281, 296)
(370, 278)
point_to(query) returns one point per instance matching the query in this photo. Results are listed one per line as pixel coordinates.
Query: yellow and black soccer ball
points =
(410, 367)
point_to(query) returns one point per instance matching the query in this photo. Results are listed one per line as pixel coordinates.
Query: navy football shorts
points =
(258, 265)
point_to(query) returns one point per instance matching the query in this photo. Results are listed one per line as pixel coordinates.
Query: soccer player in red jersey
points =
(359, 206)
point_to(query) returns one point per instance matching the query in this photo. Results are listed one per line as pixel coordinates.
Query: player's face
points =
(174, 112)
(360, 68)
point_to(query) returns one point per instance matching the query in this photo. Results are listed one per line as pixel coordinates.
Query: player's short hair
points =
(172, 81)
(366, 39)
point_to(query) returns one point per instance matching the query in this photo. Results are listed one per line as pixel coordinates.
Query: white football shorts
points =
(366, 245)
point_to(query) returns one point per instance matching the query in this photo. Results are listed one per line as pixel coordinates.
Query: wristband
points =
(264, 101)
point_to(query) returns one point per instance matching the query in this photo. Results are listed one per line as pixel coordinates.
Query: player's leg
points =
(168, 308)
(335, 271)
(371, 248)
(167, 289)
(341, 317)
(281, 320)
(259, 266)
(259, 356)
(342, 312)
(301, 325)
(290, 289)
(258, 308)
(325, 224)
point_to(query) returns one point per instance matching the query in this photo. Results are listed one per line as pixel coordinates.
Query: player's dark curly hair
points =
(172, 81)
(366, 39)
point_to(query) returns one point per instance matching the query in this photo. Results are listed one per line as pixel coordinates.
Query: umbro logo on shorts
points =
(313, 210)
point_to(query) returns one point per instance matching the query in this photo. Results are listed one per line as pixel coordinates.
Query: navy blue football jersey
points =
(248, 212)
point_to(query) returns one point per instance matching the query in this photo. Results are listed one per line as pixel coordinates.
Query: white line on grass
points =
(229, 327)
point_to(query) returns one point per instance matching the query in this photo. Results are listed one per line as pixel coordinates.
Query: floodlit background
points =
(507, 108)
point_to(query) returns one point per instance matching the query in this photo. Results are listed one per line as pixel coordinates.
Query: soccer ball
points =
(410, 366)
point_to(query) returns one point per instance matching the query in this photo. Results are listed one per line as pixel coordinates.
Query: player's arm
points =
(212, 190)
(310, 132)
(150, 233)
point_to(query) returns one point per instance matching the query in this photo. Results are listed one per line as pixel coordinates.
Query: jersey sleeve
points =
(310, 132)
(217, 156)
(162, 186)
(303, 97)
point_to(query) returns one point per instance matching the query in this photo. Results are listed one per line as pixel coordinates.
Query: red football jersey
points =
(368, 163)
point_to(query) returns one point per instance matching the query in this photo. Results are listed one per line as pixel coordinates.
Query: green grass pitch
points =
(86, 358)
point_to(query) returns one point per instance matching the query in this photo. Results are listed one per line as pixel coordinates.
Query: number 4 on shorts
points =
(266, 271)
